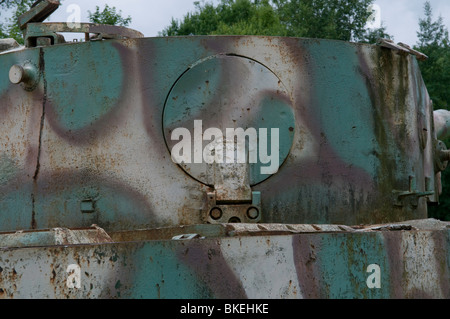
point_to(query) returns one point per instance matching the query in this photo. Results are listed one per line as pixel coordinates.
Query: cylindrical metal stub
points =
(26, 74)
(17, 74)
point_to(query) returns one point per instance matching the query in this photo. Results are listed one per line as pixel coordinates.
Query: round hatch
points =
(225, 99)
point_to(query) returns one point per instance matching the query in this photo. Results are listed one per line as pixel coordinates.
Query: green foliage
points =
(10, 28)
(109, 15)
(260, 19)
(433, 40)
(328, 19)
(372, 35)
(336, 19)
(432, 33)
(230, 17)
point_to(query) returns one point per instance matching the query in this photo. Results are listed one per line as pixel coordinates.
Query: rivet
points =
(252, 213)
(215, 213)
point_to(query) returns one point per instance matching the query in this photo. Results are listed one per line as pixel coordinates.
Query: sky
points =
(152, 16)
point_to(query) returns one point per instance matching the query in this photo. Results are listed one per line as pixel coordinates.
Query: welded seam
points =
(41, 128)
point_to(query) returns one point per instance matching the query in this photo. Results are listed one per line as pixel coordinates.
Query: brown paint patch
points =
(211, 267)
(306, 264)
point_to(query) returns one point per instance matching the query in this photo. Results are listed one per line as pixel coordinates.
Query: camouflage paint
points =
(87, 143)
(413, 264)
(354, 117)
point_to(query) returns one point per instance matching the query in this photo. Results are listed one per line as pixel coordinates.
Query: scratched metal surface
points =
(412, 262)
(87, 143)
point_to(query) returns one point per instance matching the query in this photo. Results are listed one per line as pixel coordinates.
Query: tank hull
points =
(392, 261)
(89, 139)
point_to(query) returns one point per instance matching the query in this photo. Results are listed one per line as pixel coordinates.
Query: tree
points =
(108, 16)
(230, 17)
(10, 28)
(329, 19)
(432, 33)
(372, 35)
(245, 18)
(433, 40)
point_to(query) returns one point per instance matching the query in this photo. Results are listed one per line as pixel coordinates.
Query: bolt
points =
(215, 213)
(252, 213)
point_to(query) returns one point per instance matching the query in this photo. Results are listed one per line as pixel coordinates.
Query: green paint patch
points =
(84, 83)
(343, 103)
(160, 274)
(16, 207)
(8, 169)
(347, 264)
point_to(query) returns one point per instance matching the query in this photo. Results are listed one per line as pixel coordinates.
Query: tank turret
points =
(290, 145)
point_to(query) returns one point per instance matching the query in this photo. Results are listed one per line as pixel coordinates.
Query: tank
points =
(216, 167)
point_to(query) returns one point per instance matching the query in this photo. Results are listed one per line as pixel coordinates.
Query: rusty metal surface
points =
(361, 148)
(401, 48)
(370, 264)
(56, 236)
(324, 135)
(242, 229)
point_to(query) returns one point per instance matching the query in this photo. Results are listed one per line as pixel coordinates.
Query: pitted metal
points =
(89, 142)
(252, 261)
(216, 211)
(348, 142)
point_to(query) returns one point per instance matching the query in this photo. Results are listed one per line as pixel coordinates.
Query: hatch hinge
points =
(232, 200)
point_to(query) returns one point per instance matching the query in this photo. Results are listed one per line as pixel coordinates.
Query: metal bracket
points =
(39, 11)
(413, 194)
(217, 212)
(232, 200)
(35, 32)
(401, 48)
